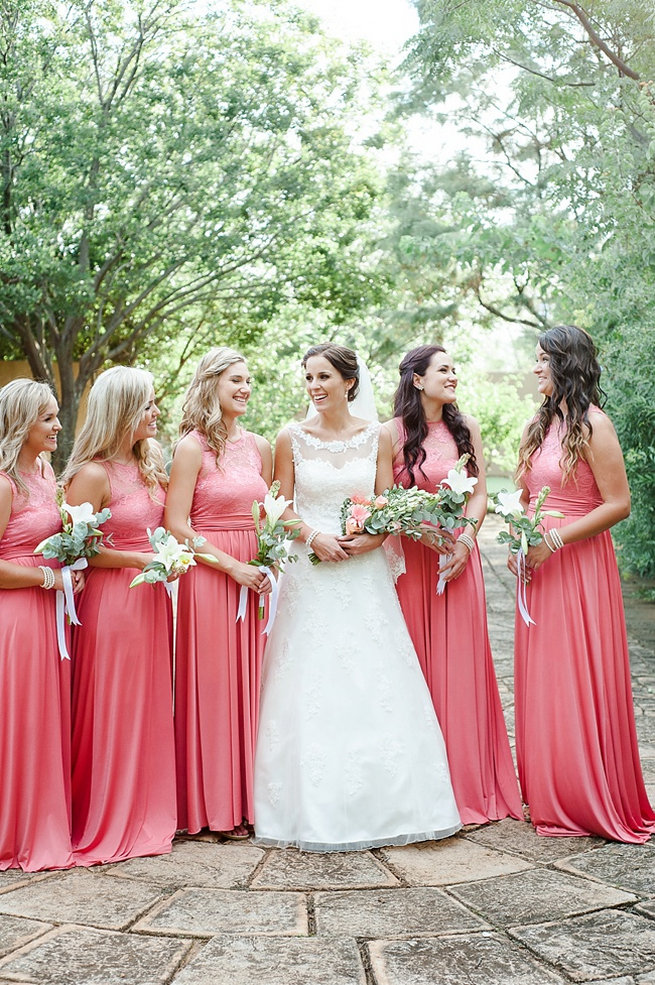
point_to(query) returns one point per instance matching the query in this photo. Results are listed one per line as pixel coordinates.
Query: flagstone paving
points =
(495, 905)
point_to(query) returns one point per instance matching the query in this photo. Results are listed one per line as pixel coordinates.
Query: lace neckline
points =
(336, 445)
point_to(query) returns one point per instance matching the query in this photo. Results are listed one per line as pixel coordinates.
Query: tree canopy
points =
(556, 216)
(165, 176)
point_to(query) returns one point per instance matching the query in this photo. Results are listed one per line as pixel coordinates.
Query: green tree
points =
(557, 222)
(165, 177)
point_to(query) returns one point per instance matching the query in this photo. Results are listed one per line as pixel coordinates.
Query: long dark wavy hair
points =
(575, 373)
(408, 407)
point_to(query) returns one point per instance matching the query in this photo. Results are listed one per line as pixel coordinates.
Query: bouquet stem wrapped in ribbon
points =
(80, 538)
(524, 532)
(272, 536)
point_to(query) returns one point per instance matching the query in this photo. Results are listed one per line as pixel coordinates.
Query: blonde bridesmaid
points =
(219, 469)
(123, 750)
(34, 682)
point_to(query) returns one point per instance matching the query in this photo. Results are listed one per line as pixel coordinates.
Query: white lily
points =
(170, 553)
(274, 507)
(84, 513)
(459, 482)
(509, 504)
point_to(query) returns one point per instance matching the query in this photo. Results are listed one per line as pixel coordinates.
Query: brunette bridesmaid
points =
(576, 742)
(34, 682)
(123, 749)
(218, 470)
(449, 631)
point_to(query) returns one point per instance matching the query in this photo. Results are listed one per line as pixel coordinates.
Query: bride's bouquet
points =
(80, 538)
(524, 532)
(411, 511)
(273, 534)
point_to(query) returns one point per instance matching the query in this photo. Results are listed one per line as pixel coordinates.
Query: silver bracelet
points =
(312, 537)
(467, 541)
(48, 577)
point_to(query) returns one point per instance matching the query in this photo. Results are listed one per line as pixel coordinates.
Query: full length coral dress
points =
(123, 749)
(218, 660)
(575, 733)
(450, 635)
(34, 698)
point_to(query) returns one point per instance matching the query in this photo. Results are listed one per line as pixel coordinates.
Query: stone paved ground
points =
(493, 906)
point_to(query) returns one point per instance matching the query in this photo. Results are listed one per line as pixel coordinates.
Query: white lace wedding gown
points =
(349, 752)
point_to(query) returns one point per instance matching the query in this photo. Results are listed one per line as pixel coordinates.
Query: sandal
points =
(238, 833)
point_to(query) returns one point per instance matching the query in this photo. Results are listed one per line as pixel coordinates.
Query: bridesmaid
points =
(449, 631)
(218, 470)
(34, 683)
(575, 733)
(123, 750)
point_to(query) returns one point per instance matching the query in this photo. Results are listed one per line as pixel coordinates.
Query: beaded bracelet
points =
(312, 537)
(556, 538)
(467, 541)
(48, 577)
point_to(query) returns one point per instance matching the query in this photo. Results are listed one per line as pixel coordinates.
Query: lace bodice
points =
(226, 491)
(133, 508)
(326, 472)
(440, 455)
(31, 520)
(578, 496)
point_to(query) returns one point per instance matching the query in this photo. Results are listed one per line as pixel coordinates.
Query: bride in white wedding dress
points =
(349, 751)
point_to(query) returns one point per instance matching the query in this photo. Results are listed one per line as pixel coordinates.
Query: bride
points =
(349, 752)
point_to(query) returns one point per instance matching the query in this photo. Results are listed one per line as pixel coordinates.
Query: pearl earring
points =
(419, 387)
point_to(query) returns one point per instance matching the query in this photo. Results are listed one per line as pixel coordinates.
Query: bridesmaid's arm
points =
(605, 458)
(18, 575)
(185, 469)
(266, 455)
(91, 485)
(325, 546)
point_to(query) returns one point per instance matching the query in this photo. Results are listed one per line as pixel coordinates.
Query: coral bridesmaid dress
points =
(34, 698)
(218, 660)
(123, 748)
(450, 635)
(575, 733)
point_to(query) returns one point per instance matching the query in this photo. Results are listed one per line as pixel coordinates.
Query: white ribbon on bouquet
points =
(521, 595)
(272, 608)
(65, 604)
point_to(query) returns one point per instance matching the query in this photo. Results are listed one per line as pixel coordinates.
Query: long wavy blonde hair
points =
(202, 410)
(117, 401)
(21, 404)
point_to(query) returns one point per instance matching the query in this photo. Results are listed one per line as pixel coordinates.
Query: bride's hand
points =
(355, 544)
(327, 548)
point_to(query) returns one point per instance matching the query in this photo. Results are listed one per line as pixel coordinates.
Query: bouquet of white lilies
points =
(171, 559)
(524, 532)
(273, 534)
(80, 538)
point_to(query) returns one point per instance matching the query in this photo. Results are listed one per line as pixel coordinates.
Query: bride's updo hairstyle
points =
(116, 404)
(344, 361)
(21, 404)
(575, 374)
(408, 407)
(202, 409)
